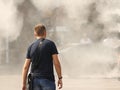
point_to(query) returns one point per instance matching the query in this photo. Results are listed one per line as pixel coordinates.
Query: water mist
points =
(88, 26)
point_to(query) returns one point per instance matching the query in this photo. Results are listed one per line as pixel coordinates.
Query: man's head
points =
(40, 30)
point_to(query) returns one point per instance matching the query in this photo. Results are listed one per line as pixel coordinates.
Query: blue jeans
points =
(43, 84)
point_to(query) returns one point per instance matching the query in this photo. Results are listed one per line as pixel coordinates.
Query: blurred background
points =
(87, 34)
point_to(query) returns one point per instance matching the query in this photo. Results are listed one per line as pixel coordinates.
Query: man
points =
(44, 53)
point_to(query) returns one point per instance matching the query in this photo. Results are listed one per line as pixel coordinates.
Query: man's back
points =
(41, 52)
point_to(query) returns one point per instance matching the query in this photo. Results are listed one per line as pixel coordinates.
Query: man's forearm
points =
(24, 76)
(57, 65)
(25, 71)
(58, 70)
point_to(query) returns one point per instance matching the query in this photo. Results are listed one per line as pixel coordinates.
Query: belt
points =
(39, 74)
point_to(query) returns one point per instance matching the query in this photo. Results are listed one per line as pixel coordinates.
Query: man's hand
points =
(60, 84)
(24, 87)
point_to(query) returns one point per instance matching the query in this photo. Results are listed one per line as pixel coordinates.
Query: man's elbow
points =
(26, 65)
(25, 68)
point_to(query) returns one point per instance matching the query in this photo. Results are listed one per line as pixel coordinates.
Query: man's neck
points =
(39, 37)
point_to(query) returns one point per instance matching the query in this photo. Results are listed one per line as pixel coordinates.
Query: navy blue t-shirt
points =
(42, 53)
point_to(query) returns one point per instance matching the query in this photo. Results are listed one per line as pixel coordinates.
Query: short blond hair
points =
(40, 29)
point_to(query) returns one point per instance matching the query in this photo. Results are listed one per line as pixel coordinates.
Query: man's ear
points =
(35, 34)
(45, 33)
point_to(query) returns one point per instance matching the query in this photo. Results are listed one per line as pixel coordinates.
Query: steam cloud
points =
(92, 19)
(73, 21)
(10, 23)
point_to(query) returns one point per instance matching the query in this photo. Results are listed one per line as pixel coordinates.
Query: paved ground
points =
(13, 82)
(91, 84)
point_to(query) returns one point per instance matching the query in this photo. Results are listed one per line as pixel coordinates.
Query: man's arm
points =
(58, 69)
(24, 73)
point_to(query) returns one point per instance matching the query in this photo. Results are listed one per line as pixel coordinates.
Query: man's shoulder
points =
(34, 42)
(49, 41)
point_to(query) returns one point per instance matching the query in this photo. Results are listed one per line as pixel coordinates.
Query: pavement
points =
(13, 82)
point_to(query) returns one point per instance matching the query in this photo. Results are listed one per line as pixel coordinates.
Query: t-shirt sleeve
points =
(53, 48)
(28, 53)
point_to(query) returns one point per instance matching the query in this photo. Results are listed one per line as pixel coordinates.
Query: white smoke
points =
(109, 14)
(76, 8)
(90, 19)
(10, 23)
(45, 5)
